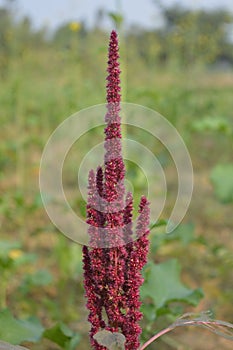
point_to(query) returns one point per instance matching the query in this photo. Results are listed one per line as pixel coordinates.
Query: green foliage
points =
(69, 257)
(184, 234)
(5, 248)
(187, 38)
(63, 336)
(5, 32)
(215, 124)
(16, 37)
(164, 296)
(196, 36)
(163, 292)
(17, 331)
(161, 222)
(162, 285)
(37, 279)
(222, 179)
(11, 255)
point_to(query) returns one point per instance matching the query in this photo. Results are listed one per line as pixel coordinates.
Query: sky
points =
(52, 13)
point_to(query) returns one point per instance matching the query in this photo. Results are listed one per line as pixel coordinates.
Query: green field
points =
(41, 269)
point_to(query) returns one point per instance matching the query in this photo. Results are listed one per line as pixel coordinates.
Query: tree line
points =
(187, 37)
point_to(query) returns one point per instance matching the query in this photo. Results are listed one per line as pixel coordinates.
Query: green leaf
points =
(72, 345)
(184, 232)
(63, 336)
(162, 284)
(158, 223)
(195, 297)
(149, 311)
(16, 331)
(222, 179)
(34, 328)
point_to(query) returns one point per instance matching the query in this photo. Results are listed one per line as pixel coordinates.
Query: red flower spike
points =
(112, 265)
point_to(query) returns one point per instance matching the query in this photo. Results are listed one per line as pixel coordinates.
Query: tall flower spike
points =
(113, 262)
(113, 86)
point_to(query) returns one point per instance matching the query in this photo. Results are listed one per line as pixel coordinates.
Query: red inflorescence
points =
(113, 262)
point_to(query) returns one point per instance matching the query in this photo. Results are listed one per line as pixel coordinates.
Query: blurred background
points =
(176, 58)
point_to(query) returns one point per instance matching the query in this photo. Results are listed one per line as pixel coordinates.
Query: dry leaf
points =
(111, 340)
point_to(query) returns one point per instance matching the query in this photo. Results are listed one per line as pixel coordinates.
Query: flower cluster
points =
(115, 256)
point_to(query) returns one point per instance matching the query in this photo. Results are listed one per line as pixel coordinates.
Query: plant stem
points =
(3, 304)
(151, 340)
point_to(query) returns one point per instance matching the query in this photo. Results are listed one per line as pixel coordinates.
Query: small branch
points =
(156, 336)
(218, 327)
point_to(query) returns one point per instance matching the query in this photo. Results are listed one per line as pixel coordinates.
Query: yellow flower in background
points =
(15, 253)
(75, 26)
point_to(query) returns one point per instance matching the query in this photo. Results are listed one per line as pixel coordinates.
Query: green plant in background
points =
(15, 331)
(172, 296)
(222, 178)
(169, 288)
(190, 32)
(9, 251)
(214, 124)
(221, 175)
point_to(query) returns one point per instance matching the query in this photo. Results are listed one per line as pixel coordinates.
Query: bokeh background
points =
(176, 58)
